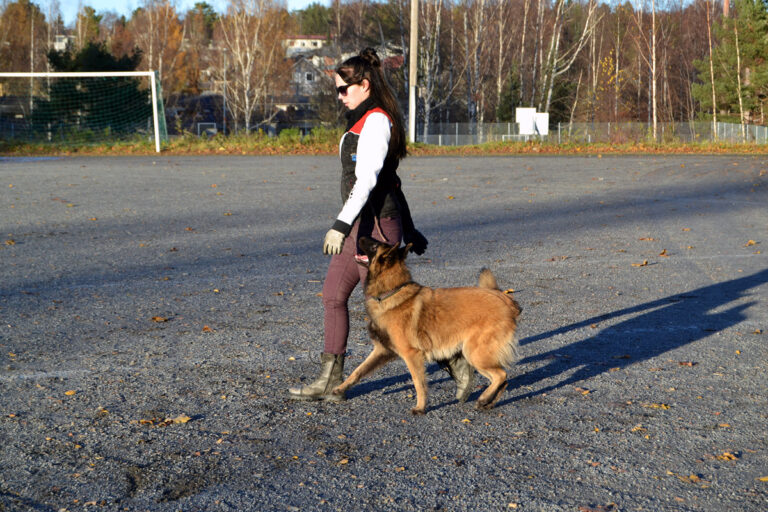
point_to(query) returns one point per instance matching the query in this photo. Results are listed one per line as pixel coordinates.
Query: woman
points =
(373, 205)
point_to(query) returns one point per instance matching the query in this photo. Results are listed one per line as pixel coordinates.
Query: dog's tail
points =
(487, 280)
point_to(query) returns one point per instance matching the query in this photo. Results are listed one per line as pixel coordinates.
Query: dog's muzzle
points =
(362, 259)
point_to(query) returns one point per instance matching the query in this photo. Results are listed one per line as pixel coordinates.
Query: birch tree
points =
(649, 43)
(159, 33)
(250, 33)
(559, 61)
(430, 31)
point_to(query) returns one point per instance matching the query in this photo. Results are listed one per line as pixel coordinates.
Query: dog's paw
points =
(417, 411)
(338, 390)
(485, 406)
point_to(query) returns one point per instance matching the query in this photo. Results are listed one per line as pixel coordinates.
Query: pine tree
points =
(740, 64)
(83, 102)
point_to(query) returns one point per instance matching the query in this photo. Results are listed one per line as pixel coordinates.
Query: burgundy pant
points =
(343, 275)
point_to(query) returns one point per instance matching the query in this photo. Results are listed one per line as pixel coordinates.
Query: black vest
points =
(382, 202)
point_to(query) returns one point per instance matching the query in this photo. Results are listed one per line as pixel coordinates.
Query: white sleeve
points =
(372, 148)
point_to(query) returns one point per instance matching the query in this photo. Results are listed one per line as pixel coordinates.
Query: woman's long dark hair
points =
(367, 66)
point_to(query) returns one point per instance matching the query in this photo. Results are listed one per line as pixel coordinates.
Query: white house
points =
(296, 45)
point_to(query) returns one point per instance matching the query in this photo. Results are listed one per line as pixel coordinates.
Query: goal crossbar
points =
(94, 74)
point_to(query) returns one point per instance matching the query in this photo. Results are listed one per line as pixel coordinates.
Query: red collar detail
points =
(358, 126)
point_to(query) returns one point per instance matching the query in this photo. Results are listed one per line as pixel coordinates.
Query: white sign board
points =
(526, 120)
(532, 122)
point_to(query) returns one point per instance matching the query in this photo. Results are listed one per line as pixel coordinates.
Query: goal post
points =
(82, 107)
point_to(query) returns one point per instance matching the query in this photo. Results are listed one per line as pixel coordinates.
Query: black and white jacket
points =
(369, 181)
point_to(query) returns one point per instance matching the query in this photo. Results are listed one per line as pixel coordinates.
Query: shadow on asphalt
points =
(661, 325)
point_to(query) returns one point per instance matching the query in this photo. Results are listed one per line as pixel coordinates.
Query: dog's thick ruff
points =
(420, 324)
(331, 373)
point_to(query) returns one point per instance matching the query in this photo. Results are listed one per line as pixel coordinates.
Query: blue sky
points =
(125, 7)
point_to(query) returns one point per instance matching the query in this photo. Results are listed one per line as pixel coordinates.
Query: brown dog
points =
(422, 324)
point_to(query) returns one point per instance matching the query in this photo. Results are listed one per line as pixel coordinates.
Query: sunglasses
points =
(343, 89)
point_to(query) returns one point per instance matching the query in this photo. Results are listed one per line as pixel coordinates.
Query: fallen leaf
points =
(647, 239)
(687, 363)
(727, 456)
(664, 254)
(10, 241)
(181, 418)
(692, 479)
(207, 329)
(763, 479)
(750, 243)
(643, 264)
(70, 392)
(159, 319)
(656, 406)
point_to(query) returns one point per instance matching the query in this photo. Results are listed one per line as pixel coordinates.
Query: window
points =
(310, 77)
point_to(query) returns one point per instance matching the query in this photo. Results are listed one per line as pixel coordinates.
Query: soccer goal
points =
(82, 107)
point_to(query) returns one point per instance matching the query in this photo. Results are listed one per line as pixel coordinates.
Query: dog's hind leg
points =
(492, 393)
(379, 356)
(487, 363)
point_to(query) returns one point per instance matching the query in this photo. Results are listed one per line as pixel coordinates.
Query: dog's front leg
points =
(379, 356)
(414, 359)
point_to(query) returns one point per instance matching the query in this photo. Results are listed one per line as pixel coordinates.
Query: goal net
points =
(81, 108)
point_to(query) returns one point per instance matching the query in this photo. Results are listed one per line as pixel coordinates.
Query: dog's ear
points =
(405, 250)
(388, 250)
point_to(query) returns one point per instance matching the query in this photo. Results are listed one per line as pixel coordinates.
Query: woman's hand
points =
(334, 241)
(419, 242)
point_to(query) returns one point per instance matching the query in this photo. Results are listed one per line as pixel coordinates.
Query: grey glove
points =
(334, 241)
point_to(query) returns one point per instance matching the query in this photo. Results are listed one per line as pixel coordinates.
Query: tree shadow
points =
(673, 322)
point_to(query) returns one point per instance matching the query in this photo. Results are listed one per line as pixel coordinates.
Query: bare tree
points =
(159, 33)
(649, 43)
(251, 32)
(711, 72)
(559, 61)
(431, 16)
(739, 93)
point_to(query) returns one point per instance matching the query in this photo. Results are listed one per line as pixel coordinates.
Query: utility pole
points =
(412, 71)
(31, 55)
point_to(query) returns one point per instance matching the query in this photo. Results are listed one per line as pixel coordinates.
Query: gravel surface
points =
(154, 311)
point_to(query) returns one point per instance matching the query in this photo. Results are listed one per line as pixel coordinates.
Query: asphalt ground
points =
(154, 311)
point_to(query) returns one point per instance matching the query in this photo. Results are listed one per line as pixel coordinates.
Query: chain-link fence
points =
(460, 134)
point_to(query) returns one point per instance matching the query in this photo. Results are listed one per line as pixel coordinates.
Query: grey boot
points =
(462, 372)
(331, 372)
